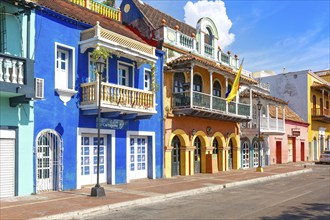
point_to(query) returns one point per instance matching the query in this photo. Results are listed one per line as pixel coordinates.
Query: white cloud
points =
(215, 10)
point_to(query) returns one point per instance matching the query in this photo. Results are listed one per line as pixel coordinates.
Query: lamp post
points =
(259, 168)
(97, 190)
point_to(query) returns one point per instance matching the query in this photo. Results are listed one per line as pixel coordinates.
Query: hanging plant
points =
(154, 85)
(100, 52)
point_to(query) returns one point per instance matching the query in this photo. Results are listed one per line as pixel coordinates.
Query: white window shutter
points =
(39, 88)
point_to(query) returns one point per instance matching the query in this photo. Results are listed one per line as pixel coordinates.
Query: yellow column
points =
(221, 159)
(168, 161)
(226, 155)
(192, 160)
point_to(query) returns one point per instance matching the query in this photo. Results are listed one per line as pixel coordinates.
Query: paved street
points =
(305, 196)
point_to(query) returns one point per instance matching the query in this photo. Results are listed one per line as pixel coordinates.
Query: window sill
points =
(65, 94)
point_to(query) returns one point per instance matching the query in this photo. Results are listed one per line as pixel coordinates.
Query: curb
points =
(145, 201)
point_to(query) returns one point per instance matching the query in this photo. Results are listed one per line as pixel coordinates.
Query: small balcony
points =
(16, 78)
(190, 44)
(117, 100)
(321, 115)
(269, 125)
(207, 106)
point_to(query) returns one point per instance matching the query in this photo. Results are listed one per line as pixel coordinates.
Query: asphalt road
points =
(304, 196)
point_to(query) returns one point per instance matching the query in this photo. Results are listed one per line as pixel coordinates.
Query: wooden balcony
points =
(117, 100)
(271, 126)
(321, 114)
(203, 105)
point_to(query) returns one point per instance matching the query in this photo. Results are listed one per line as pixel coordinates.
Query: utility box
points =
(211, 163)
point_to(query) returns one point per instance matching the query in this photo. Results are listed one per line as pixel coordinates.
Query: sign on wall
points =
(295, 132)
(112, 123)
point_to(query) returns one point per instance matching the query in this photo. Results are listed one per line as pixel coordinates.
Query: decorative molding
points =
(65, 94)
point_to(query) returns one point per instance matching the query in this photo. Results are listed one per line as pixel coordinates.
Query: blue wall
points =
(51, 113)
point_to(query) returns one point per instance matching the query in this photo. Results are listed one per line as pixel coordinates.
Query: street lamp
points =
(259, 168)
(97, 190)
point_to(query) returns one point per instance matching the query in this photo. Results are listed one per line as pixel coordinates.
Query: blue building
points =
(16, 94)
(65, 133)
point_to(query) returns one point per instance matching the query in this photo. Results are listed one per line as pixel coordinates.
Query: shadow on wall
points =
(306, 211)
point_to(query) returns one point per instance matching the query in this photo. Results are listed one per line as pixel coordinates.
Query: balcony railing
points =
(320, 112)
(181, 100)
(208, 50)
(12, 69)
(274, 125)
(175, 37)
(102, 9)
(118, 96)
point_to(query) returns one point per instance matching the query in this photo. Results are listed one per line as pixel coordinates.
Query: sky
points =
(268, 34)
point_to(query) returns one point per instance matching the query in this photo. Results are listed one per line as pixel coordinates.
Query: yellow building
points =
(308, 94)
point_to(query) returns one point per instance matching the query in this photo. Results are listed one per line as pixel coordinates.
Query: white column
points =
(177, 40)
(251, 104)
(1, 73)
(225, 93)
(268, 116)
(7, 75)
(237, 96)
(201, 43)
(215, 48)
(276, 117)
(165, 33)
(191, 84)
(194, 44)
(14, 71)
(20, 73)
(211, 90)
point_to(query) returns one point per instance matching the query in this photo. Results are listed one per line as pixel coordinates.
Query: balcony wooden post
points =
(191, 84)
(97, 29)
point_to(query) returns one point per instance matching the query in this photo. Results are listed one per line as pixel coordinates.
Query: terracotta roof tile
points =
(318, 86)
(289, 114)
(155, 18)
(186, 58)
(87, 16)
(246, 94)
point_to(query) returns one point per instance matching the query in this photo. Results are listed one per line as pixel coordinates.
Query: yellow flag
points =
(235, 86)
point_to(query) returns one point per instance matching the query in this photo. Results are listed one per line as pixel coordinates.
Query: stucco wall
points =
(21, 117)
(303, 138)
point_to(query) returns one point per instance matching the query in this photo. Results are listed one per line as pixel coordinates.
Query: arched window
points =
(209, 38)
(178, 82)
(197, 83)
(216, 89)
(216, 146)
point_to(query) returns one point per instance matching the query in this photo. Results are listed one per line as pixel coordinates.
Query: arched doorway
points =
(230, 154)
(255, 154)
(176, 156)
(49, 159)
(197, 155)
(245, 155)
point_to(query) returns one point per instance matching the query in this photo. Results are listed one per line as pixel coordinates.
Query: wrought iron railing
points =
(201, 100)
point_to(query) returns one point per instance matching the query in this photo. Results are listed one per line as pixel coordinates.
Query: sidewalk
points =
(78, 203)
